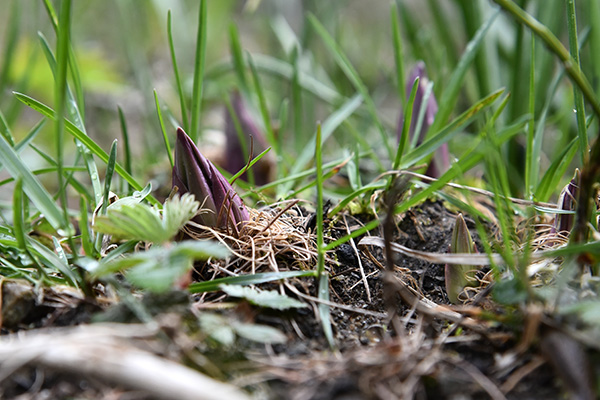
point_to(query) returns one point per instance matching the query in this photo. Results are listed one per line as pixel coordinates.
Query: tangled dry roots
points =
(271, 233)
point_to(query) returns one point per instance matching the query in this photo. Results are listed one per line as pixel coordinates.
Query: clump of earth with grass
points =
(300, 200)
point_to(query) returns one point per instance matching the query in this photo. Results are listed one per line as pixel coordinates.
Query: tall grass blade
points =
(398, 56)
(408, 111)
(579, 106)
(162, 128)
(182, 104)
(126, 146)
(198, 72)
(19, 215)
(10, 44)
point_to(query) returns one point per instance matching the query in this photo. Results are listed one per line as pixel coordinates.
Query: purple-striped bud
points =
(441, 159)
(223, 208)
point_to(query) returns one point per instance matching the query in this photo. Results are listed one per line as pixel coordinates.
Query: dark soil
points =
(372, 359)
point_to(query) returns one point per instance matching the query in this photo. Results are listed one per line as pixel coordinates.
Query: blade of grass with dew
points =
(455, 83)
(322, 275)
(351, 73)
(184, 117)
(398, 56)
(578, 97)
(429, 146)
(262, 102)
(52, 261)
(85, 140)
(198, 71)
(126, 147)
(408, 109)
(162, 128)
(250, 279)
(32, 187)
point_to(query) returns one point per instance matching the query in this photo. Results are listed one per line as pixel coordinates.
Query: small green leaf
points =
(268, 298)
(259, 333)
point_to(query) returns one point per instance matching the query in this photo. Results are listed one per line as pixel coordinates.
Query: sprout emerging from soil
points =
(567, 201)
(441, 159)
(254, 142)
(221, 206)
(459, 276)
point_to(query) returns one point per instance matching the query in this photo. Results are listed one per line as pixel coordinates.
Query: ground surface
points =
(429, 358)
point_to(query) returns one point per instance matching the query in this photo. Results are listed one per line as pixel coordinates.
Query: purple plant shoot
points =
(223, 208)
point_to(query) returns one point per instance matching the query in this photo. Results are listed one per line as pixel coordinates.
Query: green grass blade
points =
(32, 187)
(353, 76)
(60, 94)
(162, 128)
(398, 56)
(237, 57)
(184, 117)
(408, 109)
(455, 83)
(579, 106)
(322, 275)
(126, 146)
(198, 72)
(251, 279)
(110, 170)
(85, 140)
(361, 231)
(19, 215)
(5, 130)
(530, 160)
(84, 227)
(324, 310)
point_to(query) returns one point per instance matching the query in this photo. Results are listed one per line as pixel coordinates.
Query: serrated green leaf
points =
(267, 298)
(177, 211)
